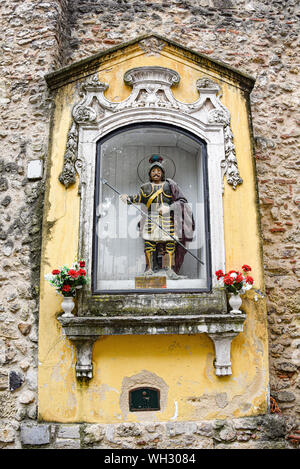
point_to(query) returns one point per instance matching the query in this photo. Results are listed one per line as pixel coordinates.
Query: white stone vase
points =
(235, 302)
(67, 306)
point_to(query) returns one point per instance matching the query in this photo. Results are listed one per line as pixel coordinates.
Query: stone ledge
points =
(83, 331)
(156, 304)
(93, 327)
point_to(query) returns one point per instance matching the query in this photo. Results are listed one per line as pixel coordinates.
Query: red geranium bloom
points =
(249, 279)
(228, 280)
(239, 278)
(246, 268)
(66, 288)
(55, 272)
(73, 273)
(82, 264)
(232, 272)
(219, 274)
(81, 272)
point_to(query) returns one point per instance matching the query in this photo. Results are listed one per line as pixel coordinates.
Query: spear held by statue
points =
(148, 217)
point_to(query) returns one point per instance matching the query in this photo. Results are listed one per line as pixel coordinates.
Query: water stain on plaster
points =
(104, 389)
(221, 399)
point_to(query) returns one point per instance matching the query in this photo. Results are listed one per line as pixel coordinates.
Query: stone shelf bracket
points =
(222, 343)
(84, 350)
(221, 327)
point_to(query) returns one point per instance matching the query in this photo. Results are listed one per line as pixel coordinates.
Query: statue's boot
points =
(148, 273)
(171, 274)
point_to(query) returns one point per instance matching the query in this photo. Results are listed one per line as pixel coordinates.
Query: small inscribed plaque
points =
(144, 399)
(150, 282)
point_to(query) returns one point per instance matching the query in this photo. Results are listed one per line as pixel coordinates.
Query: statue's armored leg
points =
(150, 248)
(170, 253)
(161, 256)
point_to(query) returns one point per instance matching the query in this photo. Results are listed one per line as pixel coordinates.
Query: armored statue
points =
(167, 218)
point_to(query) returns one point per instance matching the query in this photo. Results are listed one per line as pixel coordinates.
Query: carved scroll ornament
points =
(151, 89)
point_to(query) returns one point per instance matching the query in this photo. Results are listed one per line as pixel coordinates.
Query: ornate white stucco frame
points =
(151, 100)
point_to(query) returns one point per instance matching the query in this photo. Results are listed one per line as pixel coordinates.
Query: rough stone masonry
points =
(258, 37)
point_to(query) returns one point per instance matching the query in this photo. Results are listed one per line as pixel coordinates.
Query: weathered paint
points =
(184, 363)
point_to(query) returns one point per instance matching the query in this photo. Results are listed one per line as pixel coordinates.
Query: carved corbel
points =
(84, 349)
(222, 342)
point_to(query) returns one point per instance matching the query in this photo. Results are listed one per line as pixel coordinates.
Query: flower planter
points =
(67, 282)
(235, 283)
(235, 302)
(68, 306)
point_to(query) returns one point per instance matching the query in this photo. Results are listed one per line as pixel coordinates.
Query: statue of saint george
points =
(168, 218)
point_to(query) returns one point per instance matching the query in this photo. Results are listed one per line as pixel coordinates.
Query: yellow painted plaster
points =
(185, 363)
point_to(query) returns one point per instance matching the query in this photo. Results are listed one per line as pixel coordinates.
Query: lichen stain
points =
(56, 373)
(104, 389)
(209, 368)
(221, 399)
(174, 346)
(61, 369)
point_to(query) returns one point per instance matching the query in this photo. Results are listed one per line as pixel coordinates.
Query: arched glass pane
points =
(136, 245)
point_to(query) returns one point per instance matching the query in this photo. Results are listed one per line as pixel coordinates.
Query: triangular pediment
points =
(149, 45)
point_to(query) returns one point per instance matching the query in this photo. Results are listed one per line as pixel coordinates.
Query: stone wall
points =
(271, 432)
(30, 47)
(258, 37)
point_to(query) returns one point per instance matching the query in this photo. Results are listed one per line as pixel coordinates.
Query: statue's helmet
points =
(156, 162)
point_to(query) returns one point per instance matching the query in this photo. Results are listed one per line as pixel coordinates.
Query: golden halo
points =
(144, 166)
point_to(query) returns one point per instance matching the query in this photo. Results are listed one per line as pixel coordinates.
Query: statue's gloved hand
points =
(124, 197)
(164, 209)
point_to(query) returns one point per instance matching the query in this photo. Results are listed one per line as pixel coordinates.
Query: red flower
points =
(73, 273)
(232, 272)
(81, 272)
(55, 272)
(249, 279)
(246, 268)
(66, 288)
(228, 280)
(82, 264)
(219, 274)
(239, 278)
